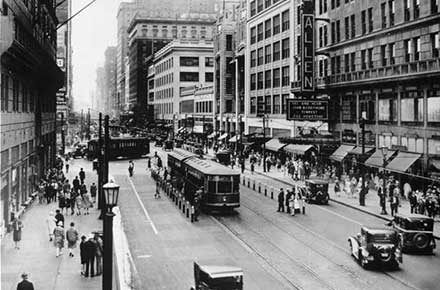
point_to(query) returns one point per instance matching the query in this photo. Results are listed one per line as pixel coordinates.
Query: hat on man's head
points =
(24, 275)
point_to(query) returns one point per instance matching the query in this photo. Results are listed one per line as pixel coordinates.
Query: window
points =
(367, 104)
(253, 58)
(363, 59)
(412, 106)
(15, 93)
(320, 7)
(285, 20)
(406, 9)
(284, 98)
(434, 106)
(209, 61)
(260, 56)
(391, 12)
(268, 28)
(285, 44)
(189, 76)
(434, 6)
(276, 104)
(209, 77)
(321, 68)
(228, 42)
(416, 48)
(408, 49)
(338, 64)
(267, 3)
(353, 26)
(347, 63)
(370, 58)
(370, 20)
(325, 35)
(333, 24)
(189, 61)
(253, 8)
(338, 31)
(276, 24)
(276, 51)
(267, 54)
(321, 40)
(253, 105)
(253, 35)
(260, 81)
(285, 80)
(276, 78)
(435, 44)
(332, 4)
(4, 92)
(253, 82)
(387, 107)
(259, 5)
(392, 52)
(383, 56)
(416, 8)
(383, 15)
(268, 105)
(347, 27)
(364, 21)
(353, 61)
(260, 32)
(268, 79)
(325, 5)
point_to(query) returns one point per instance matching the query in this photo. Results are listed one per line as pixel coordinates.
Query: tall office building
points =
(111, 98)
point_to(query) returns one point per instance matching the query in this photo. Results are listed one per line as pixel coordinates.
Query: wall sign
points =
(307, 110)
(308, 47)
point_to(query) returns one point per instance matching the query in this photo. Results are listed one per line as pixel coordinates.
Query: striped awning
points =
(403, 161)
(299, 149)
(376, 160)
(341, 152)
(274, 145)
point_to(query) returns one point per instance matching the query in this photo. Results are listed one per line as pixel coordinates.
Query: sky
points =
(93, 30)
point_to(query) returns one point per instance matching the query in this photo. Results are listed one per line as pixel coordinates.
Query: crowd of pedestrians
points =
(290, 201)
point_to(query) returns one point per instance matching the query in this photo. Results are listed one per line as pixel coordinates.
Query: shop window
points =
(388, 107)
(434, 106)
(412, 107)
(367, 105)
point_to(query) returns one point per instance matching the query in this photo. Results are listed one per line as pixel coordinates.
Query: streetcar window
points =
(224, 186)
(212, 186)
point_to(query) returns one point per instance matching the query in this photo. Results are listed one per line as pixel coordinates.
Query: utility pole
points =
(264, 143)
(105, 162)
(82, 125)
(362, 193)
(100, 164)
(88, 124)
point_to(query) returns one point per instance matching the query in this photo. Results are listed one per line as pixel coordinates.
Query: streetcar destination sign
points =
(307, 110)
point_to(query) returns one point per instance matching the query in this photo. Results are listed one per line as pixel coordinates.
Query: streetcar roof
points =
(210, 167)
(181, 154)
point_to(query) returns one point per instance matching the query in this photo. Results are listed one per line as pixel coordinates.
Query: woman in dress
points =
(17, 225)
(51, 224)
(87, 202)
(79, 204)
(59, 236)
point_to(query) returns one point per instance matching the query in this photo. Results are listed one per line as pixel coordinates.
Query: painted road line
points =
(143, 207)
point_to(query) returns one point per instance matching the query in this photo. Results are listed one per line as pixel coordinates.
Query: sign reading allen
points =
(308, 47)
(310, 110)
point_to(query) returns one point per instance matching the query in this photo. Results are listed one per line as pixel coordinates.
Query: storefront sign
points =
(308, 47)
(307, 110)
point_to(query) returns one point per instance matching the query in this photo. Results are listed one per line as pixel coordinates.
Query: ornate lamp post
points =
(111, 195)
(384, 151)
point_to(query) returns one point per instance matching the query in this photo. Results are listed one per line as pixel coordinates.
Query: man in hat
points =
(90, 253)
(25, 284)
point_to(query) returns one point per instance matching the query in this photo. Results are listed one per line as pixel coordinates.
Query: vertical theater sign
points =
(308, 47)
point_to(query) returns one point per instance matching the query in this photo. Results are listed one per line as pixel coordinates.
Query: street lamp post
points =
(264, 142)
(111, 194)
(363, 189)
(384, 151)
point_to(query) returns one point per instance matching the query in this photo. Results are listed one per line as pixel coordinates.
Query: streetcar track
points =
(319, 236)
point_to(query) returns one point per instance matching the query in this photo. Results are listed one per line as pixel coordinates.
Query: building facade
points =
(179, 68)
(112, 100)
(382, 64)
(30, 79)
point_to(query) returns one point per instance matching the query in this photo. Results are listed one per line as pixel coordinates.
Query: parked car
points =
(80, 150)
(210, 277)
(316, 190)
(379, 246)
(416, 230)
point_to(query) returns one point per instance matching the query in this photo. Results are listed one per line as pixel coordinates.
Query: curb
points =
(342, 203)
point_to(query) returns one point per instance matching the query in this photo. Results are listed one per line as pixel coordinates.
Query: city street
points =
(276, 250)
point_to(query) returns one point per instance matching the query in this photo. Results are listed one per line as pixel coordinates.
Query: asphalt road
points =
(275, 250)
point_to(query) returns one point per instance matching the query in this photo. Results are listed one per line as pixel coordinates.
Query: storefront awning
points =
(274, 145)
(403, 161)
(223, 136)
(234, 139)
(299, 149)
(180, 129)
(376, 159)
(358, 150)
(435, 163)
(212, 135)
(341, 152)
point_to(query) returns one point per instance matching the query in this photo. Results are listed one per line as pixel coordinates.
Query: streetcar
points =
(220, 185)
(121, 147)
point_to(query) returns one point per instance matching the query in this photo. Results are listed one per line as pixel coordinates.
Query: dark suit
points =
(89, 253)
(25, 285)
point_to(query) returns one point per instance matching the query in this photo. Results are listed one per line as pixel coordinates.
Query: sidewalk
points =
(371, 207)
(36, 255)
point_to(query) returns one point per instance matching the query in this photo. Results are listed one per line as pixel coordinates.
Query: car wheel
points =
(421, 241)
(362, 261)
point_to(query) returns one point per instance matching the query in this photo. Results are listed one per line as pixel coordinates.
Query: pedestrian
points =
(59, 217)
(59, 235)
(79, 204)
(82, 254)
(242, 166)
(130, 168)
(82, 175)
(159, 163)
(73, 195)
(82, 189)
(87, 202)
(17, 225)
(93, 190)
(72, 238)
(394, 203)
(149, 163)
(61, 202)
(41, 192)
(281, 201)
(337, 187)
(90, 253)
(288, 196)
(67, 164)
(51, 223)
(99, 251)
(292, 203)
(76, 183)
(412, 197)
(25, 284)
(165, 174)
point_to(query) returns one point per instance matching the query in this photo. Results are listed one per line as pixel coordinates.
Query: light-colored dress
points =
(59, 235)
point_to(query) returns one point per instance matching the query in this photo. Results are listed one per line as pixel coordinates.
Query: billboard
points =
(307, 110)
(308, 47)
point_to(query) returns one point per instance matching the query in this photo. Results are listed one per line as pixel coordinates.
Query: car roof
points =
(413, 216)
(378, 230)
(221, 271)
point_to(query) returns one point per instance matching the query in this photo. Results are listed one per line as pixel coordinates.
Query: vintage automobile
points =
(416, 230)
(80, 150)
(213, 277)
(375, 245)
(316, 190)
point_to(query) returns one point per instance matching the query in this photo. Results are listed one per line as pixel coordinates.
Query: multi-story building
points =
(383, 65)
(273, 28)
(125, 13)
(180, 66)
(64, 61)
(229, 43)
(29, 81)
(148, 33)
(111, 97)
(100, 96)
